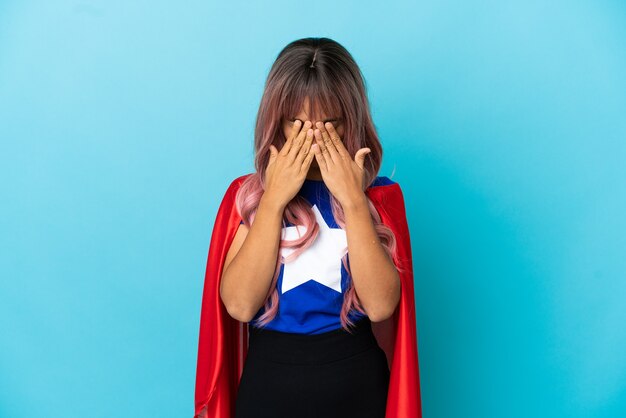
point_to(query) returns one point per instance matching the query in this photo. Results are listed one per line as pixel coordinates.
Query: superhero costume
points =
(223, 340)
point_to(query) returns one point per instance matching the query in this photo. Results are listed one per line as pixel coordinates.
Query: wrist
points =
(355, 203)
(272, 204)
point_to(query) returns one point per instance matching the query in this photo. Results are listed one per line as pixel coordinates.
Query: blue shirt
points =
(312, 286)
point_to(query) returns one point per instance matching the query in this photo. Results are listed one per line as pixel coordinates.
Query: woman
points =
(286, 271)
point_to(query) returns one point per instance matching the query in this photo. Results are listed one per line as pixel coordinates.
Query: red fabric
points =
(223, 341)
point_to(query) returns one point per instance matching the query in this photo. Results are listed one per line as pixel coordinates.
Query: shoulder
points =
(383, 185)
(234, 185)
(379, 182)
(388, 199)
(383, 190)
(233, 188)
(230, 195)
(382, 181)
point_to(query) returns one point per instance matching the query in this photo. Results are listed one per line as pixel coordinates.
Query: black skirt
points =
(333, 374)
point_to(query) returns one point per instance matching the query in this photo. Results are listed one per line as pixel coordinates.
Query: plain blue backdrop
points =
(123, 122)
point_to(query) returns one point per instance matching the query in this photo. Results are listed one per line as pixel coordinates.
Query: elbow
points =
(380, 315)
(236, 311)
(239, 314)
(235, 308)
(386, 311)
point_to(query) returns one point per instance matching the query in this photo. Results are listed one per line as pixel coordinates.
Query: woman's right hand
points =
(287, 169)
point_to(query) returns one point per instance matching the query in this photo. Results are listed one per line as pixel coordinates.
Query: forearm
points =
(247, 279)
(374, 275)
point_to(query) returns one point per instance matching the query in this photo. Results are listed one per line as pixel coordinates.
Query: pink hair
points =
(325, 72)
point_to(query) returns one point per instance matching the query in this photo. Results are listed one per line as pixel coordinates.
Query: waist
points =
(295, 348)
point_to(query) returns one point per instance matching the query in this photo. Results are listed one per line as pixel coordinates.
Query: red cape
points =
(223, 341)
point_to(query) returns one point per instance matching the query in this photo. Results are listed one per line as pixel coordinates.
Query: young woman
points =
(310, 305)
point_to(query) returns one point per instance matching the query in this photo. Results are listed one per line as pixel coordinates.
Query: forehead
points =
(316, 111)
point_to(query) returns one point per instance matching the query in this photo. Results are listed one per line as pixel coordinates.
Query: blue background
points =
(123, 122)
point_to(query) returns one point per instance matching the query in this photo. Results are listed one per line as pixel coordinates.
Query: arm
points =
(375, 277)
(251, 261)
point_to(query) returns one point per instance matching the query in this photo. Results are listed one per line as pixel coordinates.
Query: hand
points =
(343, 175)
(287, 169)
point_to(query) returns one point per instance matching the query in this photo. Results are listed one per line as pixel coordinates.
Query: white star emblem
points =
(320, 262)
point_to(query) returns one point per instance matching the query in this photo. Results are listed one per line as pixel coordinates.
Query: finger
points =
(324, 154)
(307, 161)
(320, 158)
(359, 159)
(273, 154)
(298, 141)
(295, 129)
(304, 150)
(330, 146)
(341, 149)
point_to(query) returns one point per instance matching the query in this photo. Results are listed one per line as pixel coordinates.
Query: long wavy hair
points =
(325, 72)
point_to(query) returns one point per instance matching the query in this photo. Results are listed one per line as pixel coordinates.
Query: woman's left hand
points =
(342, 175)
